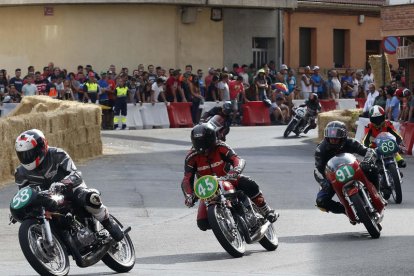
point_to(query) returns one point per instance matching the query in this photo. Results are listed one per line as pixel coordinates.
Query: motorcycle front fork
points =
(46, 230)
(362, 191)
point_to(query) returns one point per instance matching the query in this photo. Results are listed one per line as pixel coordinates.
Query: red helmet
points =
(31, 148)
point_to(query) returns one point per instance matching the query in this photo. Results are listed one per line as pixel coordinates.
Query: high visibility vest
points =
(121, 91)
(92, 87)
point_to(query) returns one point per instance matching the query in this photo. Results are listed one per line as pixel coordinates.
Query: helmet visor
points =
(28, 156)
(335, 132)
(377, 120)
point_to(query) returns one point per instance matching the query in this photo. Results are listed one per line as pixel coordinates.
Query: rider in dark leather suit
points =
(336, 141)
(210, 156)
(52, 169)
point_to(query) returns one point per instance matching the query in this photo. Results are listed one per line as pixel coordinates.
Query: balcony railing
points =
(405, 52)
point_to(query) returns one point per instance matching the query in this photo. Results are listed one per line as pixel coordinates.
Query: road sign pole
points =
(383, 68)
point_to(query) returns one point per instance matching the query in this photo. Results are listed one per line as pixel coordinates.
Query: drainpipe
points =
(280, 41)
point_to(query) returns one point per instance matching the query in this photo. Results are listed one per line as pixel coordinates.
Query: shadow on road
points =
(334, 238)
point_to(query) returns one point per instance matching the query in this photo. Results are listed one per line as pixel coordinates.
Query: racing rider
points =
(314, 107)
(210, 156)
(379, 124)
(224, 111)
(52, 169)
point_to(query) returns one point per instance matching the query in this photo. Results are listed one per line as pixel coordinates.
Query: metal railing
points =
(259, 57)
(405, 52)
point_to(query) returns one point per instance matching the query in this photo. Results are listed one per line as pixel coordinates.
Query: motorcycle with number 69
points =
(233, 217)
(389, 173)
(52, 228)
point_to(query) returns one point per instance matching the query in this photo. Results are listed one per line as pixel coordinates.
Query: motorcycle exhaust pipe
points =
(259, 234)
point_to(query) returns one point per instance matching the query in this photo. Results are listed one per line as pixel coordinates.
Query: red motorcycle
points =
(357, 194)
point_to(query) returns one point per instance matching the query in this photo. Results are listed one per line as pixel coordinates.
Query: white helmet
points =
(31, 148)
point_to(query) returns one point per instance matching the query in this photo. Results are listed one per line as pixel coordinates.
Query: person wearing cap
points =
(305, 82)
(317, 82)
(282, 75)
(91, 88)
(262, 87)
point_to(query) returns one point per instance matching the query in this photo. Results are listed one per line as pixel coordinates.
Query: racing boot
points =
(265, 210)
(113, 228)
(401, 163)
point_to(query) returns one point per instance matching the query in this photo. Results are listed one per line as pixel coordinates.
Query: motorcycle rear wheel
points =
(121, 256)
(44, 261)
(396, 187)
(289, 128)
(364, 217)
(230, 239)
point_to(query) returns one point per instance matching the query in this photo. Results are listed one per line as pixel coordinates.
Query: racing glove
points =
(190, 200)
(58, 188)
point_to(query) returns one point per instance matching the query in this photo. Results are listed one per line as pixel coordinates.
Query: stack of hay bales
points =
(376, 65)
(349, 117)
(73, 126)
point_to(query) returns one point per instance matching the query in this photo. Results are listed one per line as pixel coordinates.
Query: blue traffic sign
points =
(390, 44)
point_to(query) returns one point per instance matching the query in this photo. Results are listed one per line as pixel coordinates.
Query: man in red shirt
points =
(173, 86)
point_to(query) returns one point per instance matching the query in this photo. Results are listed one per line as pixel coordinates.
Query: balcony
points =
(405, 52)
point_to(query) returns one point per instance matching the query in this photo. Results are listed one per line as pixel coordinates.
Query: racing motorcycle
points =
(389, 174)
(358, 195)
(300, 120)
(51, 229)
(221, 126)
(233, 217)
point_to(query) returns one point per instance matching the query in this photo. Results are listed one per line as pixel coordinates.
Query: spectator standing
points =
(3, 83)
(121, 92)
(80, 74)
(16, 80)
(30, 72)
(392, 108)
(201, 82)
(336, 85)
(306, 84)
(346, 90)
(372, 94)
(14, 95)
(381, 100)
(51, 87)
(405, 105)
(59, 86)
(411, 111)
(196, 98)
(367, 80)
(174, 92)
(356, 84)
(91, 88)
(347, 77)
(223, 88)
(212, 90)
(67, 91)
(209, 77)
(75, 84)
(29, 89)
(261, 86)
(317, 82)
(291, 85)
(40, 83)
(157, 91)
(46, 73)
(152, 76)
(244, 74)
(282, 75)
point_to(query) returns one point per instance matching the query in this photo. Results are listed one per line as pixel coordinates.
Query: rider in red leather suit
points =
(211, 157)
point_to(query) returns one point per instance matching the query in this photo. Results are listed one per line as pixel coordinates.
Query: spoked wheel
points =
(121, 256)
(396, 184)
(370, 224)
(270, 240)
(46, 261)
(226, 231)
(289, 128)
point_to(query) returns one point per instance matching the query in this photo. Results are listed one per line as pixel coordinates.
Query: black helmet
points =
(227, 108)
(31, 148)
(203, 137)
(335, 134)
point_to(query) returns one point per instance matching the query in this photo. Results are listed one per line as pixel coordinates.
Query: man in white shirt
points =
(157, 91)
(223, 88)
(367, 80)
(29, 89)
(372, 94)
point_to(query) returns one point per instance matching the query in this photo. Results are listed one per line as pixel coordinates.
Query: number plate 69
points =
(205, 187)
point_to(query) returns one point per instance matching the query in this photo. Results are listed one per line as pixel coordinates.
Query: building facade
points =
(332, 33)
(203, 33)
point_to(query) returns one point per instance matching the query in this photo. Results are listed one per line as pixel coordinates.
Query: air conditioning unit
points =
(188, 15)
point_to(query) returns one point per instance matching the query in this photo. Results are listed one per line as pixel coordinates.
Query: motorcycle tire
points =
(30, 239)
(396, 187)
(270, 241)
(110, 259)
(369, 223)
(289, 128)
(218, 223)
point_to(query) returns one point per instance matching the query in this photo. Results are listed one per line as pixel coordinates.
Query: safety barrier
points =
(179, 115)
(206, 106)
(328, 105)
(154, 115)
(255, 113)
(360, 102)
(6, 108)
(134, 118)
(407, 133)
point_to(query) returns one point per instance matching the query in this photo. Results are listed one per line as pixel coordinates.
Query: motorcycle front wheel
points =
(289, 128)
(225, 230)
(270, 240)
(364, 217)
(121, 256)
(396, 187)
(46, 261)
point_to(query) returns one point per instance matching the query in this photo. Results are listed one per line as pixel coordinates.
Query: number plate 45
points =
(205, 187)
(344, 174)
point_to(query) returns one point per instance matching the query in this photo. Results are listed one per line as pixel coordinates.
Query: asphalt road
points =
(139, 177)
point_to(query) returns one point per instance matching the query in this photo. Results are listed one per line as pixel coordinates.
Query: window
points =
(306, 41)
(341, 48)
(263, 50)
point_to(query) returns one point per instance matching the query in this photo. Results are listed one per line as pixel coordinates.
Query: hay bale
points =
(349, 117)
(376, 65)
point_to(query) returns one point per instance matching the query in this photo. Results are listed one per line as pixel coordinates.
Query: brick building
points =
(397, 19)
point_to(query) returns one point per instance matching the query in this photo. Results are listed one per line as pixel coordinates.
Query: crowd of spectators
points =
(240, 84)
